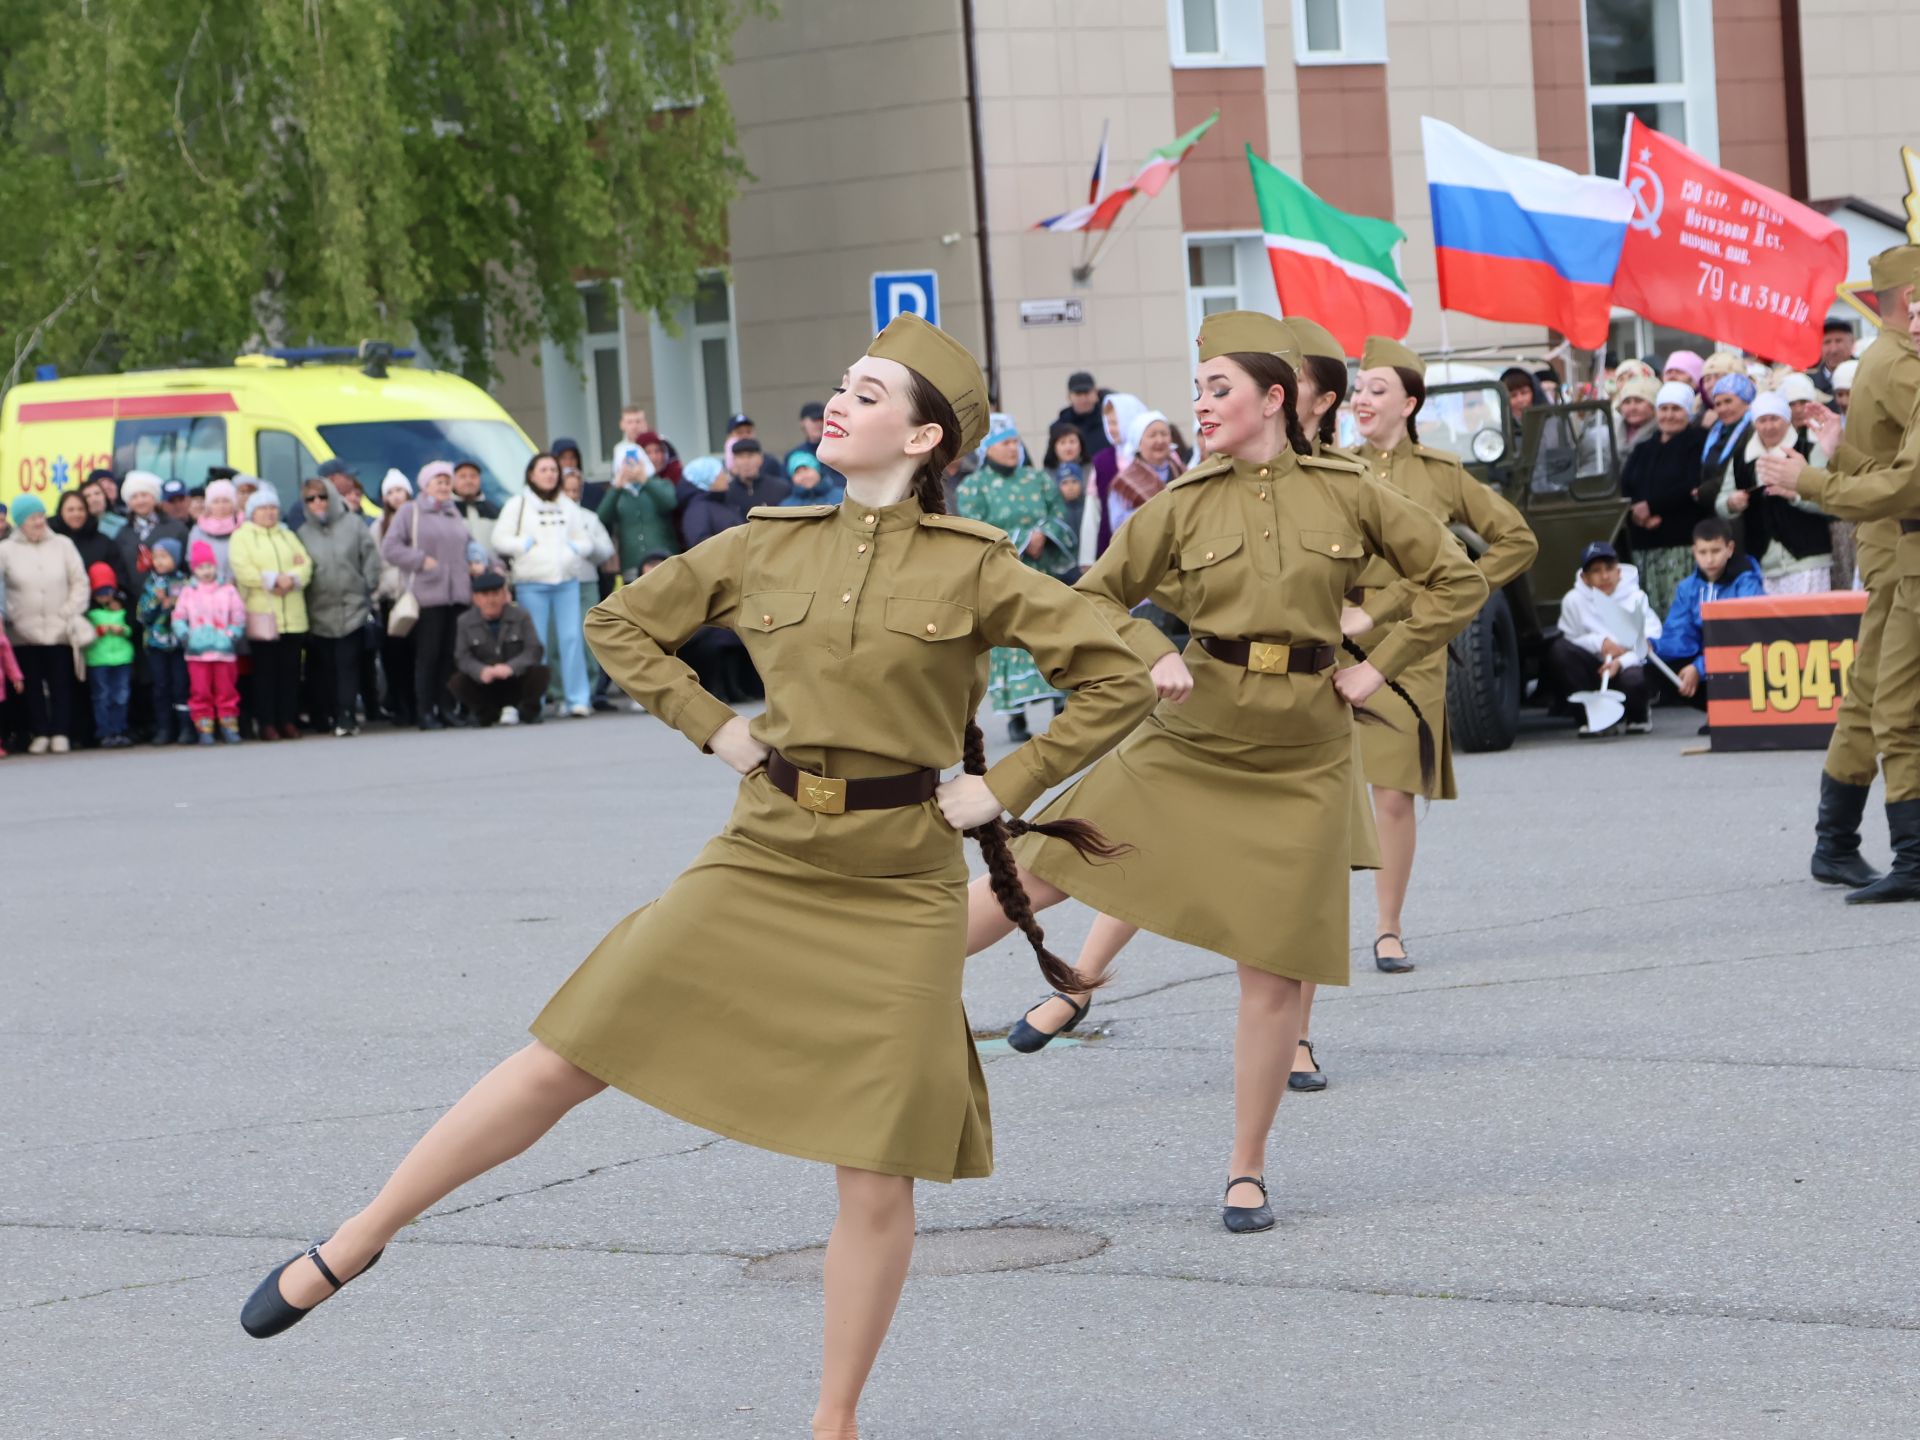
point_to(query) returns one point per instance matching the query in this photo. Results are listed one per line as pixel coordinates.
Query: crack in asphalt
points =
(229, 1129)
(1090, 1269)
(570, 1179)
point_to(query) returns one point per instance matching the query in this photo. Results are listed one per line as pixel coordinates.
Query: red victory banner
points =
(1714, 253)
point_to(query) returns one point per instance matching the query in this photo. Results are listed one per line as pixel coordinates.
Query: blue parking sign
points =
(896, 292)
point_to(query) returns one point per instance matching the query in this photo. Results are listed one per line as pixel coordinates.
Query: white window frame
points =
(679, 379)
(1252, 287)
(1695, 89)
(572, 398)
(1363, 34)
(1241, 26)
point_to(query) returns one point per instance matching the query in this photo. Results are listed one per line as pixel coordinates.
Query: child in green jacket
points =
(109, 659)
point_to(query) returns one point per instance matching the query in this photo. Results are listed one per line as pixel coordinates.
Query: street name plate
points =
(1052, 312)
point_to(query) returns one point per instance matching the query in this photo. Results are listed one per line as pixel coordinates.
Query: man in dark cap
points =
(496, 654)
(1082, 411)
(813, 420)
(741, 427)
(1836, 348)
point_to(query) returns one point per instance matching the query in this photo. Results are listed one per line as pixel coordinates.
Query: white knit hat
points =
(1843, 374)
(1771, 402)
(1797, 387)
(395, 480)
(1676, 392)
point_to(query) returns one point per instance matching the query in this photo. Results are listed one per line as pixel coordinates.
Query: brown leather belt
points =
(827, 796)
(1265, 659)
(1910, 527)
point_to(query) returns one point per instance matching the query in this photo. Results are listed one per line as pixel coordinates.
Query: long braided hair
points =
(928, 406)
(1329, 378)
(1268, 371)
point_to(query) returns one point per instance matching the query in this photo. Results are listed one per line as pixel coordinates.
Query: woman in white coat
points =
(542, 534)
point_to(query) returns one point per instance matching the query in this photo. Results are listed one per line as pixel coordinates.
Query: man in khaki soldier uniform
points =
(1884, 391)
(1872, 487)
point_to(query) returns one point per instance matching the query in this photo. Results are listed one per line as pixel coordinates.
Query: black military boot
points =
(1902, 881)
(1836, 853)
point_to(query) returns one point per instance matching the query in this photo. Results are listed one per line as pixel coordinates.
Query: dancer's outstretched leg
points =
(1105, 940)
(1393, 816)
(987, 923)
(1263, 1044)
(867, 1258)
(512, 1106)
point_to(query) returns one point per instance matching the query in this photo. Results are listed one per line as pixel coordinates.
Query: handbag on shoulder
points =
(405, 613)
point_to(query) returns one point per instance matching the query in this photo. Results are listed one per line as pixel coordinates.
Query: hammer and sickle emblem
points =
(1649, 195)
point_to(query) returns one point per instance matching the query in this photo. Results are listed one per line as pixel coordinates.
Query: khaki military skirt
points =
(1390, 753)
(776, 1002)
(1239, 848)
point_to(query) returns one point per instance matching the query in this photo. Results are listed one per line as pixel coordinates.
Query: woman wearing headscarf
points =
(1723, 459)
(272, 569)
(1633, 403)
(1024, 502)
(1659, 482)
(1153, 465)
(1117, 413)
(73, 519)
(396, 651)
(1791, 538)
(428, 540)
(1684, 367)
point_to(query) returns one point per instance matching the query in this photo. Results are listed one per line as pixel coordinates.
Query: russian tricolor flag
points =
(1523, 240)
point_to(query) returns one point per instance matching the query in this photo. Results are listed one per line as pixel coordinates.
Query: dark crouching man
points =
(498, 675)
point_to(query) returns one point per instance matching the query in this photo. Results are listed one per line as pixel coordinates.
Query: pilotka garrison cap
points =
(944, 363)
(1235, 332)
(1315, 338)
(1381, 352)
(1891, 269)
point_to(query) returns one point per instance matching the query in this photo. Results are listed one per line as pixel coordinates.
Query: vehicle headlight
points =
(1489, 445)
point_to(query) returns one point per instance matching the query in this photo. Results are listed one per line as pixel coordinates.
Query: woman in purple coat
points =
(427, 540)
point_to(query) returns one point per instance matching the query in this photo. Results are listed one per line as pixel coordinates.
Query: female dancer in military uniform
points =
(845, 1042)
(1387, 396)
(1237, 791)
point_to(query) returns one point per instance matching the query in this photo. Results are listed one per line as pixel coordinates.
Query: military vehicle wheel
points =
(1483, 681)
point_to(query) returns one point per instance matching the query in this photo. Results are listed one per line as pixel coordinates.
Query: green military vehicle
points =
(1560, 468)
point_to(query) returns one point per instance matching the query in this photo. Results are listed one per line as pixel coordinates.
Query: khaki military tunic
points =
(1885, 389)
(1862, 488)
(1437, 482)
(798, 987)
(1240, 800)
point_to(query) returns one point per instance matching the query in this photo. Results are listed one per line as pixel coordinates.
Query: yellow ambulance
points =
(276, 416)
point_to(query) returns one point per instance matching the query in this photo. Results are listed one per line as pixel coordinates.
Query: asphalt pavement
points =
(1632, 1153)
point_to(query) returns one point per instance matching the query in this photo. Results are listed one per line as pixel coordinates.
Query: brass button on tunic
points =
(798, 987)
(1439, 484)
(1241, 800)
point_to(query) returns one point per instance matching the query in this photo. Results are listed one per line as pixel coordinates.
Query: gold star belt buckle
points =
(820, 794)
(1268, 659)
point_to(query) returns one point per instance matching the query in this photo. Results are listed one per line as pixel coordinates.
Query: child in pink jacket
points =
(208, 617)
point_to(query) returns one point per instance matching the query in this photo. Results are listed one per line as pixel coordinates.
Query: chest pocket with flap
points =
(1201, 553)
(1334, 544)
(930, 620)
(773, 610)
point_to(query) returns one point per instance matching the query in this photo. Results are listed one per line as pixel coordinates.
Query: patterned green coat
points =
(1024, 504)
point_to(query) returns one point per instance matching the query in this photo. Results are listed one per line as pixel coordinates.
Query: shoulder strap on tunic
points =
(790, 512)
(1428, 452)
(1208, 468)
(1335, 460)
(979, 529)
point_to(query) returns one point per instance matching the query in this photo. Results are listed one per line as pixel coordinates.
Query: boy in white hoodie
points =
(1598, 619)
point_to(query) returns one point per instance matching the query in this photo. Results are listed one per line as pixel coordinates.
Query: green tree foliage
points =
(181, 178)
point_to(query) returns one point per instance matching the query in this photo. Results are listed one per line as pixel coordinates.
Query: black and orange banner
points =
(1778, 667)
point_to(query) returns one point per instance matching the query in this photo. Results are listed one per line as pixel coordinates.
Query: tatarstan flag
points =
(1328, 265)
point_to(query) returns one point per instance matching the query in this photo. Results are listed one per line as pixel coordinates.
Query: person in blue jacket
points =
(1720, 572)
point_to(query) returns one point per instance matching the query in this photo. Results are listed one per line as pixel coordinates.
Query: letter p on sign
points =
(900, 292)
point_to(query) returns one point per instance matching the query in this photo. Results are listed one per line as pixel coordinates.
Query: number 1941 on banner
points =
(1778, 667)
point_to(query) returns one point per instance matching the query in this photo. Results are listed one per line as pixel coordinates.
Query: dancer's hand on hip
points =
(1357, 683)
(735, 744)
(965, 802)
(1171, 678)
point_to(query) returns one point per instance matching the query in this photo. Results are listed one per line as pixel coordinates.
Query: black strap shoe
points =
(1026, 1038)
(1313, 1079)
(1247, 1219)
(1391, 964)
(267, 1312)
